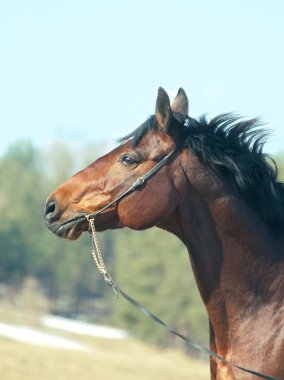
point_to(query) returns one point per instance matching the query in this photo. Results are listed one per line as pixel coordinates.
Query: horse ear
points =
(163, 111)
(180, 103)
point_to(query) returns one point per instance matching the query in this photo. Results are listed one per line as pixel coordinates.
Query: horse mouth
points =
(73, 227)
(68, 229)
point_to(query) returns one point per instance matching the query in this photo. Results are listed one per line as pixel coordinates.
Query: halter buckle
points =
(138, 182)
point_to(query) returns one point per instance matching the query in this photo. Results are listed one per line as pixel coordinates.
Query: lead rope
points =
(98, 258)
(97, 255)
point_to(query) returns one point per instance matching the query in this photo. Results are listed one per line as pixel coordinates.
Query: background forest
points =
(152, 266)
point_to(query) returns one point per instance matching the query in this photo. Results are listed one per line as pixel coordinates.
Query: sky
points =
(88, 71)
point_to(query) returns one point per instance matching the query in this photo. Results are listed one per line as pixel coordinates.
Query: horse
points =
(218, 193)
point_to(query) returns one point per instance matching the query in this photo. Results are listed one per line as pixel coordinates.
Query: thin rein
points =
(97, 256)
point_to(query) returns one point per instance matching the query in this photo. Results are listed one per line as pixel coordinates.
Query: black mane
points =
(233, 147)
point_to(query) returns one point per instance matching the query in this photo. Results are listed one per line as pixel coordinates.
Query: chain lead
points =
(97, 255)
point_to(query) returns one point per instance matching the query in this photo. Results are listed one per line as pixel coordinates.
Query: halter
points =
(97, 256)
(136, 184)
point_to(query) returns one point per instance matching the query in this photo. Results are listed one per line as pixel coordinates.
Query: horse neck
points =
(233, 254)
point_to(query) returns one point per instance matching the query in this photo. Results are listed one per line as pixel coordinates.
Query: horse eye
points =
(127, 159)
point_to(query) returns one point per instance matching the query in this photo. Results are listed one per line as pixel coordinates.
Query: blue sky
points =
(88, 71)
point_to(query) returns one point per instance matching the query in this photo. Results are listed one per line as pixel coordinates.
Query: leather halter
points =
(139, 182)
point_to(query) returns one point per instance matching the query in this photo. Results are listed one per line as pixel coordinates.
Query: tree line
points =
(152, 266)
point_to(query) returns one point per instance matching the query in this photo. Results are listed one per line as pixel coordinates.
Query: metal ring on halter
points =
(89, 217)
(138, 182)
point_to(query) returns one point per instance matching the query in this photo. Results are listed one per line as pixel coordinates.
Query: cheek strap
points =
(136, 184)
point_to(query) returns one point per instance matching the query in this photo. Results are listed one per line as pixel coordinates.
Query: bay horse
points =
(218, 193)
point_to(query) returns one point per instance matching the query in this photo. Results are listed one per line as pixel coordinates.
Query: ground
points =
(102, 358)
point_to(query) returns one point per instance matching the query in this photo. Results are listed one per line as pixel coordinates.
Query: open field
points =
(33, 356)
(107, 359)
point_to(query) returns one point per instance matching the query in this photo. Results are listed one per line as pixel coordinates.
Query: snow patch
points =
(83, 328)
(34, 336)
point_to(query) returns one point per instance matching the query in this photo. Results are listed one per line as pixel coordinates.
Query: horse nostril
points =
(50, 210)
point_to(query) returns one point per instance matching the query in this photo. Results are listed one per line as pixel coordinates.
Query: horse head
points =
(105, 179)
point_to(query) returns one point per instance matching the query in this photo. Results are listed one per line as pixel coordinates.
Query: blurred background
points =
(74, 77)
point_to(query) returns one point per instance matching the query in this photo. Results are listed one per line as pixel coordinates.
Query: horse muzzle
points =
(67, 228)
